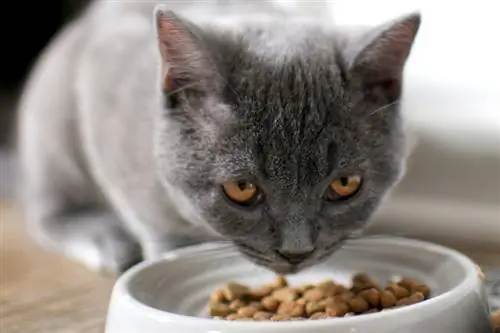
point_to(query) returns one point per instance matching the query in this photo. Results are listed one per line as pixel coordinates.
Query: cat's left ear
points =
(376, 59)
(185, 62)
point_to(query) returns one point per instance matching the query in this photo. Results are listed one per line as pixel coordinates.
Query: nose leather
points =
(295, 257)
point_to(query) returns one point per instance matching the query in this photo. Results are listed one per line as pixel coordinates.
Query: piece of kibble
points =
(315, 294)
(313, 307)
(247, 311)
(421, 288)
(301, 301)
(262, 315)
(280, 281)
(387, 299)
(362, 281)
(495, 319)
(285, 294)
(234, 316)
(372, 296)
(412, 299)
(414, 286)
(270, 303)
(398, 291)
(261, 292)
(358, 305)
(345, 296)
(278, 317)
(233, 291)
(236, 304)
(217, 296)
(480, 273)
(257, 305)
(291, 309)
(219, 309)
(338, 310)
(318, 315)
(280, 301)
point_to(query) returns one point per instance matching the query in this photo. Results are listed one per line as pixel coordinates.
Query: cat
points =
(147, 126)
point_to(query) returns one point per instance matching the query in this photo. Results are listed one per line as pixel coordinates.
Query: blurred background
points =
(450, 195)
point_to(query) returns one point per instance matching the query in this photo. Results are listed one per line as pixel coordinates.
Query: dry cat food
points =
(280, 301)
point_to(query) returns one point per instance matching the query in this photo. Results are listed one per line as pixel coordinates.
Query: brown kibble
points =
(313, 307)
(234, 291)
(247, 311)
(387, 299)
(318, 315)
(217, 296)
(270, 303)
(280, 317)
(219, 309)
(315, 294)
(358, 305)
(372, 296)
(480, 273)
(415, 298)
(257, 305)
(291, 309)
(362, 281)
(495, 319)
(262, 315)
(306, 287)
(236, 304)
(338, 310)
(285, 294)
(286, 308)
(421, 288)
(261, 292)
(281, 301)
(345, 296)
(298, 311)
(234, 316)
(398, 291)
(280, 282)
(301, 301)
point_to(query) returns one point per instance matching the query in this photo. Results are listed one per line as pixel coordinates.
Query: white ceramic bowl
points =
(169, 295)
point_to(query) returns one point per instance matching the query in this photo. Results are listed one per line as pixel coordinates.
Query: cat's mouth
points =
(273, 261)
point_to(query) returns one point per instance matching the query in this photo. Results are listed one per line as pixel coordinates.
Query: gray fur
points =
(111, 174)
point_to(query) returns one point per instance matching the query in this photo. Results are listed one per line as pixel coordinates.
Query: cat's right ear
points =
(185, 63)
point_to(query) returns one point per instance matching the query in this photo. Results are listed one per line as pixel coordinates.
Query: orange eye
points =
(344, 187)
(240, 192)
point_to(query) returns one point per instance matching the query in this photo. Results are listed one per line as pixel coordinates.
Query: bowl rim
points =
(123, 287)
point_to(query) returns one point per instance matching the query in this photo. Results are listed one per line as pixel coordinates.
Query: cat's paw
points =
(110, 252)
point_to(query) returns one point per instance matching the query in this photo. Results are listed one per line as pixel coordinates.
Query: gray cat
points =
(143, 129)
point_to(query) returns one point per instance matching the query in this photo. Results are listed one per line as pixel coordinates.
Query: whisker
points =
(384, 107)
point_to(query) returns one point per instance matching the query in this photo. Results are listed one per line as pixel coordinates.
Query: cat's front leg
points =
(91, 236)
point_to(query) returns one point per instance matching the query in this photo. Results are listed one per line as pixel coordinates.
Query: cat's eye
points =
(344, 187)
(242, 192)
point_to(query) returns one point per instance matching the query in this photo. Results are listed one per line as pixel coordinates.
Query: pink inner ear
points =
(386, 55)
(174, 38)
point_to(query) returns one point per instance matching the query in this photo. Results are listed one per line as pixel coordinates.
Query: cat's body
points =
(111, 175)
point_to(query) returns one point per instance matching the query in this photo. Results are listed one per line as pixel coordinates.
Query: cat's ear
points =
(381, 54)
(185, 63)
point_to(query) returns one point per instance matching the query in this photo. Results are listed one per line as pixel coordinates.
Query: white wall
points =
(451, 193)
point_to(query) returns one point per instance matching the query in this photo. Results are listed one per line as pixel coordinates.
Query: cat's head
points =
(283, 139)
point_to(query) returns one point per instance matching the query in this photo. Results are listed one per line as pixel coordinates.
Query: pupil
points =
(344, 181)
(242, 185)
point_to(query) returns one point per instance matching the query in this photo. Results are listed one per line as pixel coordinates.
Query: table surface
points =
(45, 292)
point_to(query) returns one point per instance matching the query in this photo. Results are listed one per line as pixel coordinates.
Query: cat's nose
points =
(295, 257)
